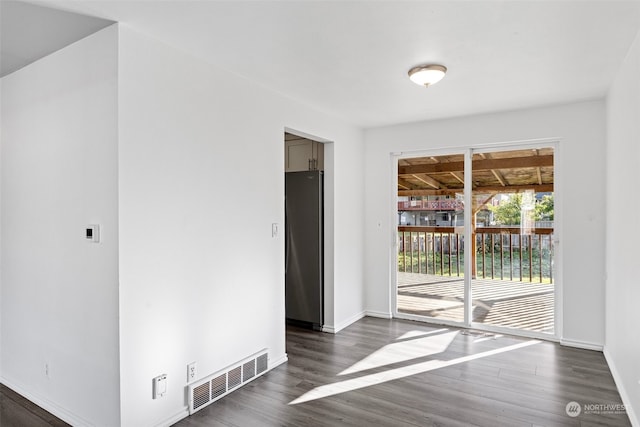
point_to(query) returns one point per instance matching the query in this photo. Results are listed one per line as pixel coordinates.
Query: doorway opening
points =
(476, 238)
(304, 231)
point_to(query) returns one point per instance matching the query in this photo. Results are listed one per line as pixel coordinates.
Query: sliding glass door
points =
(431, 237)
(506, 196)
(512, 230)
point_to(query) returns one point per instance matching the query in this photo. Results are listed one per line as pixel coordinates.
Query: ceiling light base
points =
(427, 75)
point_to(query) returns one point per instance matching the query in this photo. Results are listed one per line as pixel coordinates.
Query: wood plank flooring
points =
(381, 372)
(16, 411)
(402, 373)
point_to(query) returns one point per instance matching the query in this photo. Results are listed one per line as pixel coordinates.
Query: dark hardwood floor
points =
(399, 373)
(16, 411)
(382, 372)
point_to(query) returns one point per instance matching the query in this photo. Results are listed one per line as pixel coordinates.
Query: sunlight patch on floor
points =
(411, 347)
(419, 334)
(333, 389)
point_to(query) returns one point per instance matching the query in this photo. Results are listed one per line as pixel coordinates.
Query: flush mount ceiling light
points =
(427, 75)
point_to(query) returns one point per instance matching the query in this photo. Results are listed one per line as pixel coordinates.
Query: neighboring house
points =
(430, 211)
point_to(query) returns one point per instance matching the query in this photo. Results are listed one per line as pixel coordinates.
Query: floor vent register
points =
(213, 387)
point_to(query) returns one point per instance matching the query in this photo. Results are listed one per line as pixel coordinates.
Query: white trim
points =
(479, 327)
(328, 329)
(478, 148)
(306, 135)
(174, 418)
(617, 379)
(585, 345)
(467, 193)
(558, 309)
(277, 362)
(47, 405)
(378, 314)
(518, 145)
(342, 325)
(329, 233)
(429, 320)
(523, 333)
(393, 237)
(329, 195)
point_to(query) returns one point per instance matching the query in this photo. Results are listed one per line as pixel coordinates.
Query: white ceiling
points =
(350, 58)
(29, 32)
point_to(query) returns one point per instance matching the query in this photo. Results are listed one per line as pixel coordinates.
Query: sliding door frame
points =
(395, 243)
(468, 152)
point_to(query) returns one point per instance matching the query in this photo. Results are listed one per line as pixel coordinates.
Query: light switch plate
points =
(159, 386)
(92, 233)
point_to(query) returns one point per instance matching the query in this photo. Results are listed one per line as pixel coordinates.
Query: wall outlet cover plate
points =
(159, 386)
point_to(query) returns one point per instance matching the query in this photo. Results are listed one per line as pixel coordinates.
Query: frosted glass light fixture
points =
(427, 75)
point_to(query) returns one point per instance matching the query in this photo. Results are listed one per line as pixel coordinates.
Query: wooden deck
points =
(511, 304)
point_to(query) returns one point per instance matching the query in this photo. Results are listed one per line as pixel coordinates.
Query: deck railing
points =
(507, 253)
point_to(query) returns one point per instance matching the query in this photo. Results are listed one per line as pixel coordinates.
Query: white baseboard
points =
(328, 329)
(621, 389)
(174, 419)
(379, 314)
(47, 405)
(335, 329)
(277, 362)
(331, 329)
(581, 344)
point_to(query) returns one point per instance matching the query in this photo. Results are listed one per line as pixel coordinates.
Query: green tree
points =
(544, 208)
(508, 212)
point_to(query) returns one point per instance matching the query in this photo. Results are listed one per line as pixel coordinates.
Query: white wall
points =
(581, 174)
(201, 277)
(59, 173)
(622, 346)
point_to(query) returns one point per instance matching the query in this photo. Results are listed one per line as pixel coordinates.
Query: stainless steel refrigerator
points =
(304, 265)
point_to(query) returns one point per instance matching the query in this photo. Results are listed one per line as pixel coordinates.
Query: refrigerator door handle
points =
(287, 243)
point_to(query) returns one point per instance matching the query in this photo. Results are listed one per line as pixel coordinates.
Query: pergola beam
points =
(544, 188)
(478, 165)
(499, 177)
(539, 173)
(429, 181)
(458, 177)
(406, 184)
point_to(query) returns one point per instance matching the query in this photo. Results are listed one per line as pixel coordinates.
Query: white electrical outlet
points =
(159, 386)
(192, 372)
(46, 369)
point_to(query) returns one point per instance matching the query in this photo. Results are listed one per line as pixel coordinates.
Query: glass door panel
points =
(431, 245)
(512, 233)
